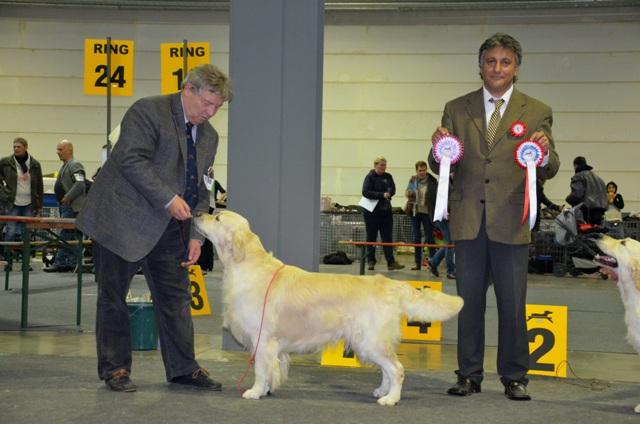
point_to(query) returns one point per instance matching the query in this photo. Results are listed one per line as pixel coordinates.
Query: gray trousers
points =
(170, 289)
(478, 262)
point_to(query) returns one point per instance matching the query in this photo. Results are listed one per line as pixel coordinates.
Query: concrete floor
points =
(47, 373)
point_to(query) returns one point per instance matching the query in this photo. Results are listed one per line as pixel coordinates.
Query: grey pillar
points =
(275, 122)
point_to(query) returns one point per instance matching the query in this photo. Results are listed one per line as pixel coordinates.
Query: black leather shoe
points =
(394, 265)
(120, 382)
(464, 387)
(58, 268)
(434, 271)
(198, 379)
(516, 391)
(371, 266)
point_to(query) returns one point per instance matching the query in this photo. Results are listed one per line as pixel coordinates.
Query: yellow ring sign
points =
(95, 67)
(172, 63)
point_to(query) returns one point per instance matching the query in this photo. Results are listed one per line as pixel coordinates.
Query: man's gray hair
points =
(210, 78)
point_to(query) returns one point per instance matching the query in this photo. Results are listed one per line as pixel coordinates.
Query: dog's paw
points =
(637, 409)
(379, 392)
(388, 400)
(251, 394)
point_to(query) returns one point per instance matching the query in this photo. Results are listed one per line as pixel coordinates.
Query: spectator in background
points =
(378, 185)
(21, 187)
(589, 190)
(421, 194)
(70, 191)
(613, 215)
(613, 197)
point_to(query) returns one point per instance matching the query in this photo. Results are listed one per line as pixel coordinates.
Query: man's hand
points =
(439, 132)
(179, 209)
(541, 138)
(193, 254)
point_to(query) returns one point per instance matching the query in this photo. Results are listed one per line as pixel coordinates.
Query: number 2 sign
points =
(95, 67)
(547, 330)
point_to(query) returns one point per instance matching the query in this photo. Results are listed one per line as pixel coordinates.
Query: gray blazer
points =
(72, 178)
(126, 206)
(490, 182)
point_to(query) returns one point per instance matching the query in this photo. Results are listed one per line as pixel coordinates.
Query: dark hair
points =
(611, 183)
(579, 161)
(501, 40)
(421, 163)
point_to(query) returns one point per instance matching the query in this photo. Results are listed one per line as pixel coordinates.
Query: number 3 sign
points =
(95, 67)
(199, 298)
(547, 329)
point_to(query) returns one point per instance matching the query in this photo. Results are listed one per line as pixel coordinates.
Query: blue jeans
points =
(14, 229)
(64, 257)
(445, 252)
(419, 221)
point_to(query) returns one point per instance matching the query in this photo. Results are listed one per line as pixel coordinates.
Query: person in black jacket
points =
(378, 185)
(587, 189)
(614, 198)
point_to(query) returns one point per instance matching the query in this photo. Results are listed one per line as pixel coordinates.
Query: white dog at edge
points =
(626, 269)
(304, 311)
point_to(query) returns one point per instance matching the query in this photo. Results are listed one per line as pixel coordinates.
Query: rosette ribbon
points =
(529, 155)
(447, 151)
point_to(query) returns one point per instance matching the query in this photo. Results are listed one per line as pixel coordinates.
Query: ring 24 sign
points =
(95, 67)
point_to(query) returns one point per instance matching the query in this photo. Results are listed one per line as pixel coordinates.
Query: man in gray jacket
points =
(70, 193)
(588, 189)
(138, 214)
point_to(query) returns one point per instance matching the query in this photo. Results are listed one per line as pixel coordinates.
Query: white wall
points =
(385, 87)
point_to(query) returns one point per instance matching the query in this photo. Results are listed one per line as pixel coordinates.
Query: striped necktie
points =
(494, 121)
(191, 186)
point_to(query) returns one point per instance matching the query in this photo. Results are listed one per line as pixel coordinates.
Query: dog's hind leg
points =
(266, 357)
(385, 357)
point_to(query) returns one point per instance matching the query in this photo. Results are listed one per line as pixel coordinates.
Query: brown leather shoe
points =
(120, 381)
(198, 379)
(394, 265)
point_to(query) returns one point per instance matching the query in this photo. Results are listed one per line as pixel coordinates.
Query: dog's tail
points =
(428, 305)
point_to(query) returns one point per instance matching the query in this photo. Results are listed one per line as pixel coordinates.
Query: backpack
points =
(337, 258)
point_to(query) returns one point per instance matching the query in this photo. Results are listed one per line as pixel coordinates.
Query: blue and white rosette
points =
(447, 150)
(529, 155)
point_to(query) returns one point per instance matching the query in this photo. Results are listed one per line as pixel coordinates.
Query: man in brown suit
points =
(487, 196)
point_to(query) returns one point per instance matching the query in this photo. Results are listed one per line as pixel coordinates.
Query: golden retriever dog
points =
(625, 267)
(275, 309)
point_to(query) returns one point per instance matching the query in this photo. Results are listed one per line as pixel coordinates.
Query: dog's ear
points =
(238, 244)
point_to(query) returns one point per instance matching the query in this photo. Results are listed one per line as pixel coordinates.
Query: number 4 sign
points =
(547, 329)
(95, 67)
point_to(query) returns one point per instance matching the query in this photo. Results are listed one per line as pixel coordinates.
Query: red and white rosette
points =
(518, 129)
(529, 155)
(447, 150)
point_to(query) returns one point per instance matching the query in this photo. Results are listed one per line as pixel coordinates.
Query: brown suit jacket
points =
(490, 182)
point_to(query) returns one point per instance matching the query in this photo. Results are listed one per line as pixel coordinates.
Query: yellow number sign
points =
(95, 67)
(547, 329)
(336, 355)
(172, 63)
(199, 298)
(422, 331)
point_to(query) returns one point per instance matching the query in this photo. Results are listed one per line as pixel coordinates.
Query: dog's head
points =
(228, 231)
(626, 254)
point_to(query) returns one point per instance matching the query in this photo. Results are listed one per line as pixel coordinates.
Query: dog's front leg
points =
(263, 369)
